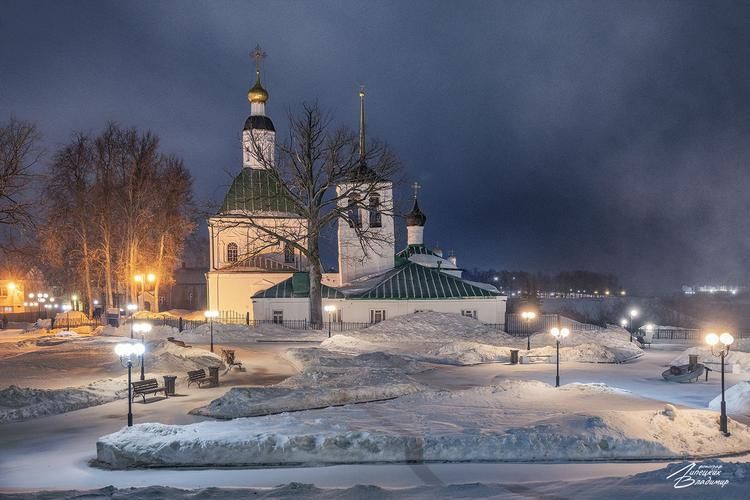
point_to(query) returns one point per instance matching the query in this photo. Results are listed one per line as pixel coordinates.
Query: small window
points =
(232, 252)
(375, 216)
(278, 317)
(353, 213)
(469, 313)
(3, 291)
(288, 254)
(377, 315)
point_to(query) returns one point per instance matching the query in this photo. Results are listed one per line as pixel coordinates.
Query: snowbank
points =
(737, 398)
(325, 379)
(738, 356)
(513, 420)
(23, 403)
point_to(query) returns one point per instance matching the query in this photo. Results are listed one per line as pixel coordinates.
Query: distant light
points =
(329, 308)
(211, 314)
(96, 302)
(623, 322)
(132, 307)
(151, 277)
(11, 286)
(633, 313)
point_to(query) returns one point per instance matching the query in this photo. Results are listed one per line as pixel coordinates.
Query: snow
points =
(23, 403)
(738, 359)
(453, 339)
(737, 398)
(325, 379)
(510, 420)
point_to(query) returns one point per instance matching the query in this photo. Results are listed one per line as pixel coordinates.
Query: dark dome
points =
(259, 122)
(416, 217)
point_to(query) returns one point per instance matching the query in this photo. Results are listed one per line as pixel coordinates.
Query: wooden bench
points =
(148, 386)
(228, 357)
(178, 342)
(525, 359)
(643, 341)
(199, 377)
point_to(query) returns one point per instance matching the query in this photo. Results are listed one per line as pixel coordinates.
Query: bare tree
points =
(324, 175)
(19, 153)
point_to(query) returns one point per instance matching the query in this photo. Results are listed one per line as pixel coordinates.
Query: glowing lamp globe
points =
(555, 332)
(123, 350)
(712, 339)
(726, 338)
(138, 349)
(564, 332)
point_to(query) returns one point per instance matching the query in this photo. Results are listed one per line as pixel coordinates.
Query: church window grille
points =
(232, 252)
(375, 216)
(377, 315)
(288, 254)
(278, 317)
(353, 213)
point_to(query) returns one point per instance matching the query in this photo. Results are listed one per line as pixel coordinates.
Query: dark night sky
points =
(609, 136)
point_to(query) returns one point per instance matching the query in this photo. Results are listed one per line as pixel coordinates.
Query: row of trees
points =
(565, 282)
(115, 206)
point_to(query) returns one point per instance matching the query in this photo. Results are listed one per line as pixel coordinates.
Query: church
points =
(270, 281)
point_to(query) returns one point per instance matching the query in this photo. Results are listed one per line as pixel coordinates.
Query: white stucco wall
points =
(232, 291)
(488, 310)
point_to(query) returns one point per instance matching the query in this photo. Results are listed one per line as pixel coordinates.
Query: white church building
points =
(261, 280)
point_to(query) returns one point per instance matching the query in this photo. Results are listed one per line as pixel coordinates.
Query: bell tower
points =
(259, 134)
(370, 219)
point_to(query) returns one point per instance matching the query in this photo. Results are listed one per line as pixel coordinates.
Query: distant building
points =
(713, 289)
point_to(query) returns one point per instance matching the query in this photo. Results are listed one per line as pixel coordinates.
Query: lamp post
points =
(726, 340)
(528, 316)
(125, 351)
(559, 333)
(210, 315)
(67, 308)
(633, 314)
(330, 309)
(141, 328)
(132, 308)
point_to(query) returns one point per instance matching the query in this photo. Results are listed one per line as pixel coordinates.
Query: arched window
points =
(288, 254)
(353, 213)
(232, 252)
(375, 218)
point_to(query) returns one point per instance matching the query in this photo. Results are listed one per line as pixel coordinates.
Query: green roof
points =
(256, 190)
(413, 281)
(298, 286)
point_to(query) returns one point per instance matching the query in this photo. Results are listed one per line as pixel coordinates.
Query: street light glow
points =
(726, 338)
(132, 307)
(329, 308)
(151, 277)
(712, 339)
(633, 313)
(211, 314)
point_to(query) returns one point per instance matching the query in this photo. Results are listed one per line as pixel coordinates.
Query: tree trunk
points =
(158, 273)
(87, 275)
(316, 275)
(108, 269)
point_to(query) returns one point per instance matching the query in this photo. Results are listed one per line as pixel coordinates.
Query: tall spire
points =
(362, 152)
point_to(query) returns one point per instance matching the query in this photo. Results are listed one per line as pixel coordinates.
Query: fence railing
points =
(300, 324)
(685, 335)
(521, 327)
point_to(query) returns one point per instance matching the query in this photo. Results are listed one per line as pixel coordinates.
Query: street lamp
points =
(633, 314)
(528, 316)
(67, 308)
(330, 309)
(141, 328)
(559, 333)
(126, 351)
(726, 340)
(211, 315)
(132, 308)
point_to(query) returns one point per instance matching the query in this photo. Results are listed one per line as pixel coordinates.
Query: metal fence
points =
(521, 327)
(301, 324)
(685, 335)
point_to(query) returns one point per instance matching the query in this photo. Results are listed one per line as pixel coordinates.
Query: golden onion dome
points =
(257, 93)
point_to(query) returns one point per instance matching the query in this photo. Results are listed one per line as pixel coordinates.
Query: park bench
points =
(178, 342)
(228, 357)
(643, 341)
(525, 359)
(148, 386)
(199, 377)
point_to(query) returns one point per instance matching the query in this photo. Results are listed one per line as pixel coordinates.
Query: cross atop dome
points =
(416, 187)
(257, 94)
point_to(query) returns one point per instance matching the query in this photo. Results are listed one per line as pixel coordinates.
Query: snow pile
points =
(739, 355)
(737, 398)
(458, 340)
(23, 403)
(325, 379)
(166, 357)
(513, 420)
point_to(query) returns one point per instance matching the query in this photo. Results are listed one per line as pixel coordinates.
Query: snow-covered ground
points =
(738, 359)
(325, 379)
(727, 480)
(453, 339)
(511, 420)
(737, 399)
